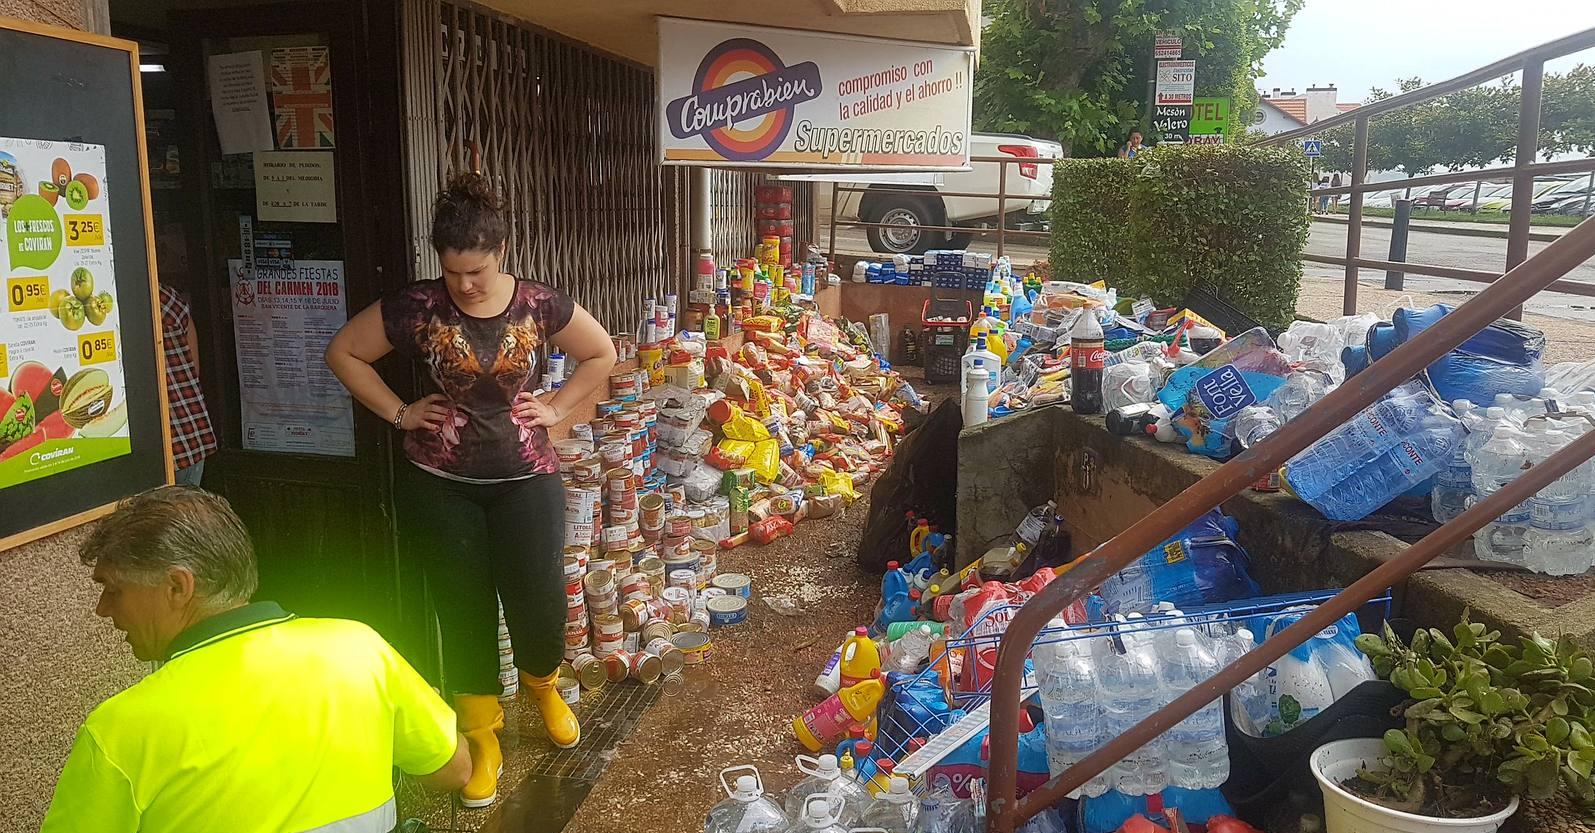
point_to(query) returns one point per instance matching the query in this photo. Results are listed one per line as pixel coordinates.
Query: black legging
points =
(477, 539)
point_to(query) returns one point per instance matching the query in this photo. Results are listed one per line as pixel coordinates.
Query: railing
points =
(1523, 169)
(1003, 198)
(1524, 278)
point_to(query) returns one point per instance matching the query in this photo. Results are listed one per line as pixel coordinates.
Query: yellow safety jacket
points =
(260, 722)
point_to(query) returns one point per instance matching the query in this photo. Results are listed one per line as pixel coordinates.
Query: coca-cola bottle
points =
(1087, 355)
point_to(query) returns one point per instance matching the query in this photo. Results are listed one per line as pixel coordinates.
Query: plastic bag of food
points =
(765, 460)
(1205, 394)
(1128, 383)
(702, 482)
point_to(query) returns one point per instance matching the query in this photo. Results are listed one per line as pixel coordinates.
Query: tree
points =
(1472, 128)
(1076, 70)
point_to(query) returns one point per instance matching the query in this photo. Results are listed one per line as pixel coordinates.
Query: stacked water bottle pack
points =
(1552, 532)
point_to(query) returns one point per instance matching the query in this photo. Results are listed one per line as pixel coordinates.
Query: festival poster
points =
(63, 395)
(283, 317)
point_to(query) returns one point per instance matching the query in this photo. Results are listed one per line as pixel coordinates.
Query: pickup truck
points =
(939, 199)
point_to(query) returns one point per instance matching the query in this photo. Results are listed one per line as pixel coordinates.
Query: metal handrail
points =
(1523, 170)
(1004, 811)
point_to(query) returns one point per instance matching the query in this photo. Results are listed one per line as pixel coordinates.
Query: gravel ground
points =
(738, 709)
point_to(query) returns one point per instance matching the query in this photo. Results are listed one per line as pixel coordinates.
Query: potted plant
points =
(1486, 722)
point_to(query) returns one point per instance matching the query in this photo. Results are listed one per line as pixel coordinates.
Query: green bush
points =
(1231, 219)
(1090, 219)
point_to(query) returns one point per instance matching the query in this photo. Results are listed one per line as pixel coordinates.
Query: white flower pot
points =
(1344, 812)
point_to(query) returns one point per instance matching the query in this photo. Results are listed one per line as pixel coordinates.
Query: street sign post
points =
(1167, 47)
(1173, 123)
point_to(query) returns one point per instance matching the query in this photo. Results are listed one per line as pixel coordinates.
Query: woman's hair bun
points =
(468, 215)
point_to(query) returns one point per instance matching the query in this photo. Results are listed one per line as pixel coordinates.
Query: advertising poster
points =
(282, 321)
(1176, 82)
(63, 398)
(737, 96)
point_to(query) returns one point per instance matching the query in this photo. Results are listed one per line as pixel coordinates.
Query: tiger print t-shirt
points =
(480, 364)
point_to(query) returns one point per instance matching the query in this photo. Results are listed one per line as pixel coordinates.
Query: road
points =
(1483, 253)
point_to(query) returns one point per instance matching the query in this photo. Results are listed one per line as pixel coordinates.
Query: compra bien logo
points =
(740, 81)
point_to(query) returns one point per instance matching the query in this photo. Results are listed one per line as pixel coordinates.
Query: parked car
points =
(1463, 199)
(1573, 205)
(1436, 196)
(1543, 187)
(1028, 194)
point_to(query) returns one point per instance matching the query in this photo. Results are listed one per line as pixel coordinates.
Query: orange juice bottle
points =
(860, 657)
(827, 723)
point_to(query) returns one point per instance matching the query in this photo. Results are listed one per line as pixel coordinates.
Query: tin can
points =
(582, 431)
(615, 539)
(576, 634)
(602, 648)
(601, 564)
(691, 627)
(609, 407)
(575, 614)
(695, 648)
(573, 566)
(599, 583)
(574, 589)
(621, 487)
(623, 385)
(617, 666)
(657, 630)
(632, 643)
(700, 618)
(678, 525)
(727, 610)
(652, 509)
(579, 535)
(587, 468)
(680, 601)
(570, 450)
(635, 585)
(735, 584)
(581, 505)
(634, 614)
(569, 690)
(704, 549)
(681, 558)
(589, 671)
(638, 550)
(670, 657)
(608, 626)
(645, 667)
(687, 579)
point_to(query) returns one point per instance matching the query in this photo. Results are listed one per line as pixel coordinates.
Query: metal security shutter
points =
(566, 133)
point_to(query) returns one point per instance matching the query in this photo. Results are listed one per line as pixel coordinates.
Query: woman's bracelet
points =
(398, 418)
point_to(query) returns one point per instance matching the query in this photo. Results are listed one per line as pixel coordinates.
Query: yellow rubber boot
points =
(480, 717)
(563, 729)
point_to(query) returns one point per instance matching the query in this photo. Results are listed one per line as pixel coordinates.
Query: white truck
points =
(942, 199)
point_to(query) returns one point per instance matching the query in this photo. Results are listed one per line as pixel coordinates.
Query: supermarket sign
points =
(747, 96)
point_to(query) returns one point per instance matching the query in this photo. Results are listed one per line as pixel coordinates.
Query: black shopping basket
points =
(946, 334)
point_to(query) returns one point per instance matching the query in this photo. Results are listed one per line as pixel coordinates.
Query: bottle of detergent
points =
(745, 809)
(829, 680)
(826, 723)
(855, 736)
(860, 658)
(825, 778)
(916, 538)
(975, 404)
(895, 604)
(979, 351)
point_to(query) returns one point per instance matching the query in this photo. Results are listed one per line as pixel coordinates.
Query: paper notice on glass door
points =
(282, 321)
(238, 101)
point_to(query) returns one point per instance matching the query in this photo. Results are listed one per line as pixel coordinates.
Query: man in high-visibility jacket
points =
(258, 721)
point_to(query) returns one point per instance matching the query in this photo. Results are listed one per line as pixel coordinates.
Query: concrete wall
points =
(59, 660)
(1104, 483)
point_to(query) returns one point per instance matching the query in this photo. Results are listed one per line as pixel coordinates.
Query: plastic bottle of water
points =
(1419, 453)
(745, 809)
(911, 650)
(1559, 540)
(1254, 423)
(1073, 715)
(1197, 754)
(1373, 431)
(1130, 690)
(1496, 463)
(1454, 484)
(825, 777)
(1249, 700)
(895, 810)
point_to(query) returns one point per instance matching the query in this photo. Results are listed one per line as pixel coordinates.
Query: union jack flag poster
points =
(301, 97)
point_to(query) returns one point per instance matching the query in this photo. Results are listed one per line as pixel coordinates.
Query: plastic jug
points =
(821, 813)
(827, 722)
(975, 405)
(979, 351)
(895, 810)
(845, 749)
(860, 658)
(745, 810)
(829, 680)
(825, 781)
(894, 603)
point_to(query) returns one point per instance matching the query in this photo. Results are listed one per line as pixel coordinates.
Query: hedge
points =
(1090, 219)
(1229, 218)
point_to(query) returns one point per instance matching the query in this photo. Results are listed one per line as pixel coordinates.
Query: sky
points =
(1360, 44)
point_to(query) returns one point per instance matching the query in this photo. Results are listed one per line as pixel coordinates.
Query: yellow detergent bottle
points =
(827, 723)
(917, 537)
(860, 658)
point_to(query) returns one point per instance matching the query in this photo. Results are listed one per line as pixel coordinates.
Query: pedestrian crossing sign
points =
(1313, 147)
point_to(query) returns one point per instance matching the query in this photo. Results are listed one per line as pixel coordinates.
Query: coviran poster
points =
(63, 398)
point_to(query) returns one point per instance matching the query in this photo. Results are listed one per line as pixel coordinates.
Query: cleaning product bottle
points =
(916, 538)
(894, 600)
(825, 778)
(975, 402)
(855, 736)
(829, 680)
(881, 781)
(860, 657)
(745, 810)
(979, 352)
(826, 723)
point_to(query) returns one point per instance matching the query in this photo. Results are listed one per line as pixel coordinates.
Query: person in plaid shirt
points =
(192, 437)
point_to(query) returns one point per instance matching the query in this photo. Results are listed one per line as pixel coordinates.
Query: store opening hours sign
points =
(740, 96)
